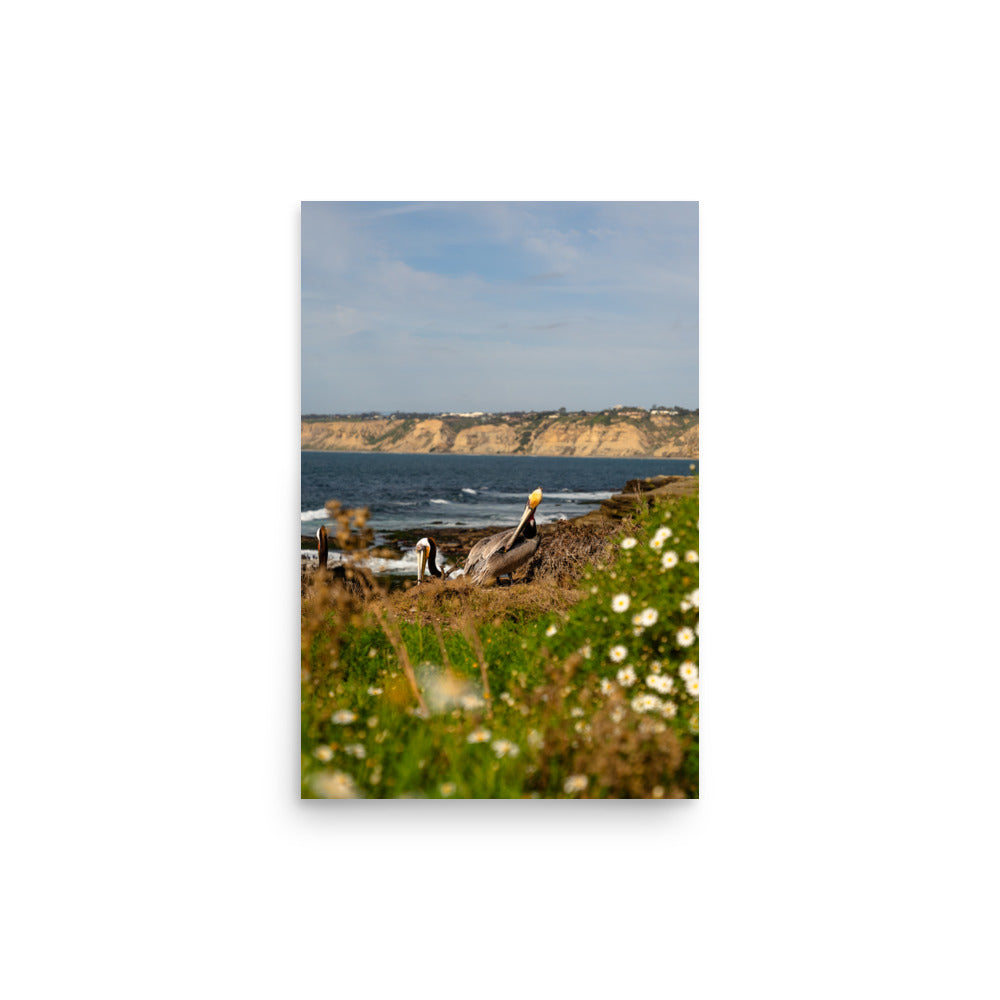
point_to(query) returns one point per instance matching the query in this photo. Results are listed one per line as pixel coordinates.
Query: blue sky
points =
(494, 306)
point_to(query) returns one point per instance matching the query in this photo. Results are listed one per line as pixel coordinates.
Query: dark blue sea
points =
(418, 493)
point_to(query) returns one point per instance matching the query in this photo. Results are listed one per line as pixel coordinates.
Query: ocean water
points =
(418, 493)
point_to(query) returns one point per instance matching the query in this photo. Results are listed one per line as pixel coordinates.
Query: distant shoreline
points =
(618, 433)
(479, 454)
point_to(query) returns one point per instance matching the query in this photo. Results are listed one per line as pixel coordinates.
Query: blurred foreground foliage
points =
(587, 691)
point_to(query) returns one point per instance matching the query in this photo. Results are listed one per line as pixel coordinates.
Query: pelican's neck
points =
(323, 546)
(432, 565)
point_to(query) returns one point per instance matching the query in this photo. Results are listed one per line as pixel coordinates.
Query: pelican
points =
(506, 551)
(427, 559)
(355, 579)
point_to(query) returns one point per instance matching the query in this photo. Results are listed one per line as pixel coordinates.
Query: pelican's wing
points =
(496, 562)
(482, 551)
(501, 563)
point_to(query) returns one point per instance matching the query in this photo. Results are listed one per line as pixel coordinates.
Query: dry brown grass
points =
(451, 602)
(567, 547)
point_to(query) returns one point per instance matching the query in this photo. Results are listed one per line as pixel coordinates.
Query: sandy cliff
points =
(606, 435)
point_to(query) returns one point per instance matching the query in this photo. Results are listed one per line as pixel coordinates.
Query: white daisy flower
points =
(694, 598)
(626, 677)
(470, 702)
(648, 617)
(551, 630)
(688, 670)
(334, 785)
(638, 631)
(685, 637)
(576, 712)
(607, 686)
(617, 714)
(637, 619)
(628, 543)
(343, 717)
(575, 783)
(374, 691)
(620, 602)
(478, 736)
(617, 654)
(693, 686)
(690, 556)
(685, 605)
(504, 748)
(645, 702)
(662, 534)
(355, 750)
(669, 560)
(660, 682)
(535, 739)
(323, 753)
(656, 666)
(668, 709)
(656, 543)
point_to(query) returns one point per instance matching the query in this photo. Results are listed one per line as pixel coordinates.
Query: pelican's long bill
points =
(426, 559)
(529, 508)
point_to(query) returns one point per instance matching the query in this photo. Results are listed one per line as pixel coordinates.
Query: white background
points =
(154, 843)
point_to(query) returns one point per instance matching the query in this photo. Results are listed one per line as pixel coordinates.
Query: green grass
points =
(572, 727)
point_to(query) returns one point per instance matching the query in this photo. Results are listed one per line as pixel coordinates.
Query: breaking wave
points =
(314, 515)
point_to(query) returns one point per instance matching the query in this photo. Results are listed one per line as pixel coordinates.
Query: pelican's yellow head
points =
(535, 499)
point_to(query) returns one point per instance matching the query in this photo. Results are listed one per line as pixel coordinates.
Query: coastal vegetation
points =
(579, 680)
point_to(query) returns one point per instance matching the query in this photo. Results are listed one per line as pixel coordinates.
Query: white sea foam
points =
(558, 497)
(314, 515)
(465, 489)
(603, 495)
(440, 501)
(405, 565)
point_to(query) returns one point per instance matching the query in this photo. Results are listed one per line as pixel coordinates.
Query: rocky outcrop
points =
(617, 439)
(639, 493)
(486, 439)
(424, 436)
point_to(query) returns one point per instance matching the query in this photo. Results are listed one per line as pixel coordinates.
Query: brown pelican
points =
(357, 580)
(427, 559)
(506, 551)
(324, 545)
